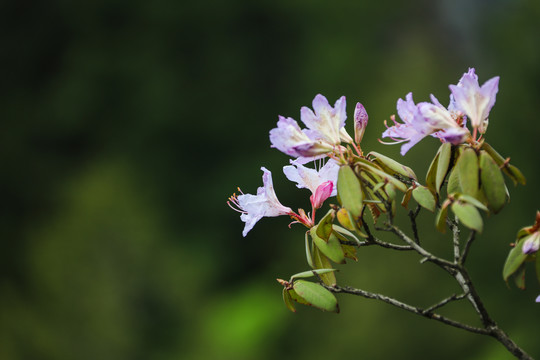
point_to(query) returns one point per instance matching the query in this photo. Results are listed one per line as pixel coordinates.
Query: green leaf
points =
(406, 197)
(321, 262)
(515, 258)
(443, 164)
(431, 175)
(515, 174)
(510, 170)
(309, 257)
(341, 230)
(324, 228)
(350, 252)
(311, 273)
(468, 215)
(331, 248)
(297, 297)
(350, 191)
(316, 295)
(453, 182)
(469, 199)
(467, 165)
(440, 220)
(287, 299)
(492, 182)
(391, 166)
(424, 197)
(345, 220)
(519, 278)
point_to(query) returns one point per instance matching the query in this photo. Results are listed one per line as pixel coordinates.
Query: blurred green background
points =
(127, 124)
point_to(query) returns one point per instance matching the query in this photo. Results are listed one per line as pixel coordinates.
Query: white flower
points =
(475, 101)
(255, 207)
(311, 179)
(325, 130)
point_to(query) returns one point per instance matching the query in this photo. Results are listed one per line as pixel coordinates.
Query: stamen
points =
(392, 143)
(235, 205)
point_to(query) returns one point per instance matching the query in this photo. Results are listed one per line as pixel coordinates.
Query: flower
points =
(532, 243)
(538, 299)
(325, 130)
(425, 119)
(290, 139)
(312, 179)
(475, 101)
(255, 207)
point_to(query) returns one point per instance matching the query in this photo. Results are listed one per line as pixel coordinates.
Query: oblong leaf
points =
(316, 295)
(442, 165)
(310, 273)
(453, 182)
(493, 184)
(515, 258)
(468, 172)
(469, 199)
(287, 299)
(297, 297)
(350, 191)
(331, 248)
(374, 170)
(324, 228)
(510, 170)
(309, 256)
(468, 215)
(406, 197)
(425, 198)
(321, 262)
(391, 166)
(440, 220)
(519, 278)
(431, 175)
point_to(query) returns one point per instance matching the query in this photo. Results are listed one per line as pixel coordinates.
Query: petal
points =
(489, 90)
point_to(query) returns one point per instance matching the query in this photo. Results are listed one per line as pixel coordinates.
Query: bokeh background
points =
(125, 125)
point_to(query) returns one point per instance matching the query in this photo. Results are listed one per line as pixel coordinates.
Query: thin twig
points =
(445, 264)
(467, 247)
(449, 299)
(413, 215)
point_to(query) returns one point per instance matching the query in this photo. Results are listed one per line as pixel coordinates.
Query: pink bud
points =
(322, 193)
(360, 122)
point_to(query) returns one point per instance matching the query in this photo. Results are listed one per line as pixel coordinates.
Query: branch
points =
(455, 238)
(372, 240)
(445, 264)
(416, 310)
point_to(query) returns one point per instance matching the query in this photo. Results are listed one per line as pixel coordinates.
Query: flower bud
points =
(322, 193)
(360, 122)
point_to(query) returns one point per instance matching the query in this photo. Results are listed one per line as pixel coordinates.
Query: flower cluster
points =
(324, 133)
(468, 101)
